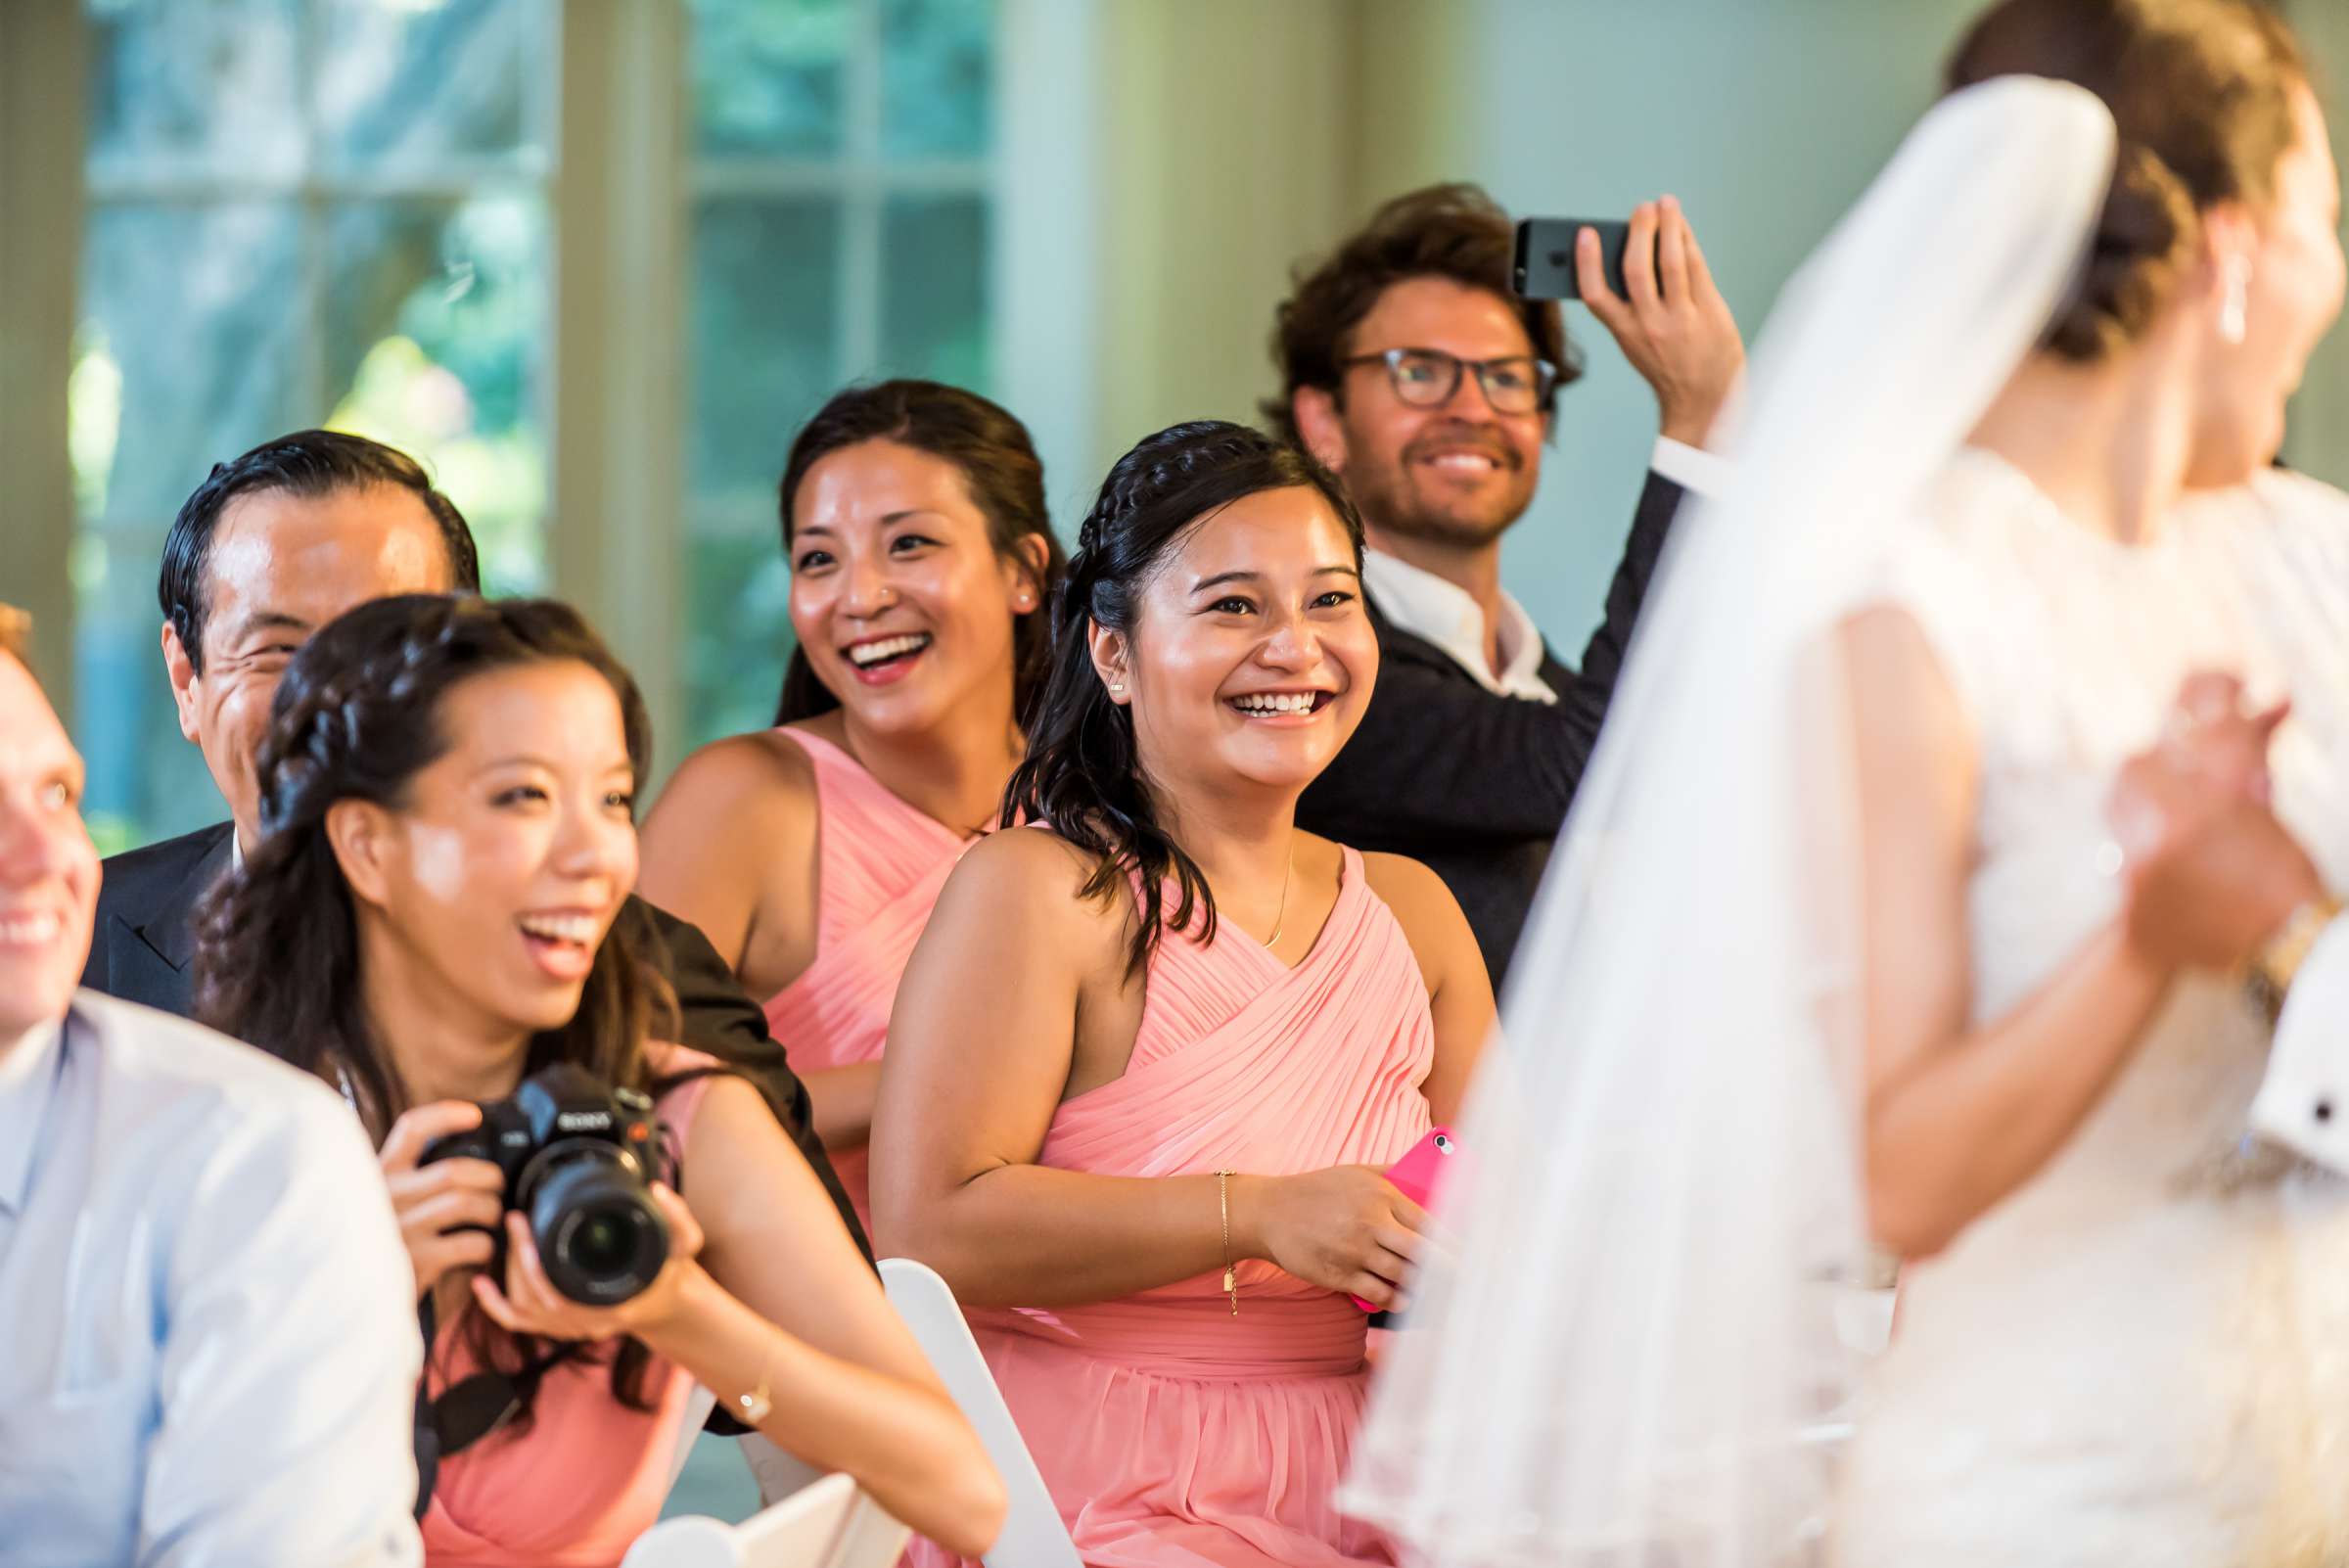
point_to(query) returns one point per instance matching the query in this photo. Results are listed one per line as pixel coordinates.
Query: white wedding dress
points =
(2140, 1356)
(1634, 1353)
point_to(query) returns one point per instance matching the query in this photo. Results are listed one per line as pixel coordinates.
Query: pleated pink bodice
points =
(881, 864)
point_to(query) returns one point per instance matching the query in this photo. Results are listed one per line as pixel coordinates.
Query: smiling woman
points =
(448, 797)
(913, 517)
(1152, 1052)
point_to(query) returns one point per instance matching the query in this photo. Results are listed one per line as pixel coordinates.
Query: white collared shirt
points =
(210, 1361)
(1446, 615)
(1441, 612)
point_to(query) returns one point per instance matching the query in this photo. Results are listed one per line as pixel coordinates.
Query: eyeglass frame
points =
(1545, 390)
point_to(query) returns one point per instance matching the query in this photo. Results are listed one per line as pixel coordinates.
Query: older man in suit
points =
(270, 547)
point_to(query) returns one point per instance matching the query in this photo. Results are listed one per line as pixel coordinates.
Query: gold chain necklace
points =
(1280, 917)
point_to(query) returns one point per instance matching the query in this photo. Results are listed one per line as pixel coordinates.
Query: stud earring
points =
(2234, 315)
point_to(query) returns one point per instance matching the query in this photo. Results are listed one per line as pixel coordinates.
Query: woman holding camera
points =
(447, 801)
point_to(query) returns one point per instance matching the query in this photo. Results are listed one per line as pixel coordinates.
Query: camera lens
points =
(598, 1231)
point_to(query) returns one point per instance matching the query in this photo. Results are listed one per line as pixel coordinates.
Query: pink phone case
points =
(1418, 1174)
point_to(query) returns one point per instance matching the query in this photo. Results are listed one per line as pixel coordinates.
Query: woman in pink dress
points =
(1153, 1052)
(446, 796)
(810, 854)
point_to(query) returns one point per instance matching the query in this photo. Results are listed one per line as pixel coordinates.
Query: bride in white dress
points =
(1839, 936)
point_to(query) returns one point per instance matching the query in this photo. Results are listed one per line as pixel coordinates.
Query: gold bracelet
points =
(2277, 963)
(756, 1405)
(1231, 1273)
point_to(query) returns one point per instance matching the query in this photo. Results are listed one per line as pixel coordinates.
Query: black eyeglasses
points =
(1426, 378)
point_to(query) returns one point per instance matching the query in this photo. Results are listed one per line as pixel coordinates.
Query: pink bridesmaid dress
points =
(881, 865)
(589, 1475)
(1171, 1433)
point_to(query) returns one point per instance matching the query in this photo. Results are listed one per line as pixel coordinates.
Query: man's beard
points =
(1389, 498)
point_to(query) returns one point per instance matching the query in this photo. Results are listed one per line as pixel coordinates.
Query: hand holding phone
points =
(1546, 266)
(1417, 1175)
(1655, 296)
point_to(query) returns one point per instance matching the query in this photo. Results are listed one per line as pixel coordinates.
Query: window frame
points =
(619, 180)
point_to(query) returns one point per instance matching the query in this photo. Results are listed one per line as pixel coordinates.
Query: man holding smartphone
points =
(1412, 371)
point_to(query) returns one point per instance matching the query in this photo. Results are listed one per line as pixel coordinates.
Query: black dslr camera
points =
(577, 1157)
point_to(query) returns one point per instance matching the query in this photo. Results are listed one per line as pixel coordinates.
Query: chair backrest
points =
(698, 1405)
(831, 1524)
(1034, 1536)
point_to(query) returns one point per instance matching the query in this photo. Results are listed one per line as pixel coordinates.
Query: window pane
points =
(764, 287)
(739, 618)
(934, 289)
(770, 76)
(434, 316)
(186, 347)
(763, 301)
(194, 88)
(423, 86)
(936, 88)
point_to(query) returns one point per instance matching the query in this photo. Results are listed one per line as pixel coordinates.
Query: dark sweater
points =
(1474, 784)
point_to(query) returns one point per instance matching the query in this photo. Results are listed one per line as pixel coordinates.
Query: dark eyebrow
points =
(1221, 577)
(618, 764)
(269, 621)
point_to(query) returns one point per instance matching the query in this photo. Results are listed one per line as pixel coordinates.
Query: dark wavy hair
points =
(307, 463)
(357, 717)
(2201, 94)
(1082, 774)
(1000, 469)
(1451, 231)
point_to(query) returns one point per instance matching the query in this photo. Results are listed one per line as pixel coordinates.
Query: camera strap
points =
(470, 1408)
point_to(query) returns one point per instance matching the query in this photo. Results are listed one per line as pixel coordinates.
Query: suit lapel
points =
(150, 949)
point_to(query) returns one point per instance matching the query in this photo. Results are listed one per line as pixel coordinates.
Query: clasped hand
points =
(2211, 872)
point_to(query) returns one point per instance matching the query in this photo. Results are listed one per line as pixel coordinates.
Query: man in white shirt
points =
(210, 1357)
(1412, 371)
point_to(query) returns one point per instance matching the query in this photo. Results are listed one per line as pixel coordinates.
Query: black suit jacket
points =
(1477, 785)
(145, 944)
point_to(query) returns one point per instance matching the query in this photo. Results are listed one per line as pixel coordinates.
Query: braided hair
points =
(1083, 774)
(356, 718)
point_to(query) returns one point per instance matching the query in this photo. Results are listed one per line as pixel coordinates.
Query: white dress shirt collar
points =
(1448, 615)
(27, 1081)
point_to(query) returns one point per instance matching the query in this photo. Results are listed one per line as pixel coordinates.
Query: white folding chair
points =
(831, 1524)
(698, 1405)
(1034, 1536)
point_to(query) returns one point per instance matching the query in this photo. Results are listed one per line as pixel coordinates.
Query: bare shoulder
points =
(763, 778)
(1417, 895)
(1031, 870)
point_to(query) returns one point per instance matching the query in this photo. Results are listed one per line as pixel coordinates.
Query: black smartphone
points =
(1546, 256)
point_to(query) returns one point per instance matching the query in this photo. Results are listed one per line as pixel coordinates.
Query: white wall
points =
(1766, 117)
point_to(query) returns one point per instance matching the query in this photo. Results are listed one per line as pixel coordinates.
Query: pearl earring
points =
(2234, 315)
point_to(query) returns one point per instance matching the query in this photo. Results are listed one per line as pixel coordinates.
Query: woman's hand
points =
(2211, 873)
(434, 1201)
(1346, 1228)
(530, 1303)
